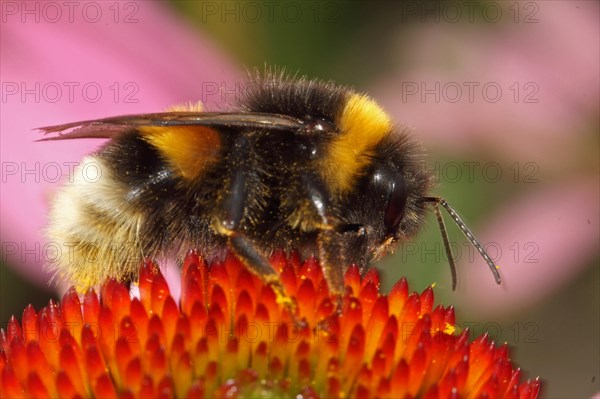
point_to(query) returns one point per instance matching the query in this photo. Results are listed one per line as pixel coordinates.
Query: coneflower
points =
(229, 338)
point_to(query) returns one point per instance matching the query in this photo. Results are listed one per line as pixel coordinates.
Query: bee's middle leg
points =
(242, 245)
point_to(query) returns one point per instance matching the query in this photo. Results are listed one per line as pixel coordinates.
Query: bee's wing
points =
(113, 126)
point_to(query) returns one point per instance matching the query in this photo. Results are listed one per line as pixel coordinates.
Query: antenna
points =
(467, 232)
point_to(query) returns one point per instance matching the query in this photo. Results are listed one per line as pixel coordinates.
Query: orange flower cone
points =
(229, 338)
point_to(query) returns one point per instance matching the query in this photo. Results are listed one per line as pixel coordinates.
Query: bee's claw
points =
(291, 305)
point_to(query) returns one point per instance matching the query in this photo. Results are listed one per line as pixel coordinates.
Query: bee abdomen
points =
(96, 229)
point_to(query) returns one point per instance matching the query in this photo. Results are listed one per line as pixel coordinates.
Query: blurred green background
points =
(362, 44)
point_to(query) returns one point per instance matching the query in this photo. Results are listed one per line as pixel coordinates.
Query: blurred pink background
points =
(58, 72)
(541, 119)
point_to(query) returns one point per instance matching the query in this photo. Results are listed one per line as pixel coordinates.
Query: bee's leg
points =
(243, 246)
(258, 264)
(330, 245)
(333, 264)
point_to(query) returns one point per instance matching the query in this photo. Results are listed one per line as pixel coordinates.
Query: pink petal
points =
(153, 63)
(558, 55)
(544, 240)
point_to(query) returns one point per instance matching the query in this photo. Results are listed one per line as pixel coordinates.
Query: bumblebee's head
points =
(384, 185)
(388, 197)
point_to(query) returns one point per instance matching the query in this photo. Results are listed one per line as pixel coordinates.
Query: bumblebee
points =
(299, 164)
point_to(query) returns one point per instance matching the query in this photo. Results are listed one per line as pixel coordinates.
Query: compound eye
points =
(396, 206)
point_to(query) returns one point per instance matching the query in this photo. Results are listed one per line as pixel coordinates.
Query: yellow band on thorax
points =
(363, 124)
